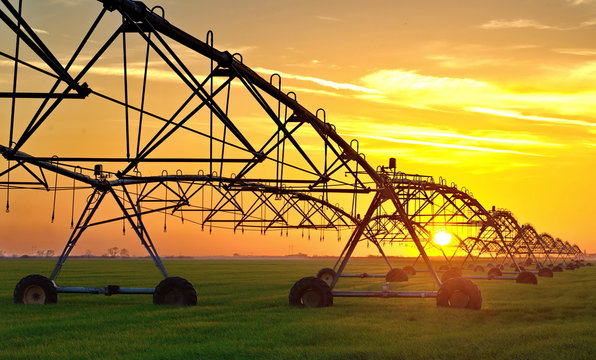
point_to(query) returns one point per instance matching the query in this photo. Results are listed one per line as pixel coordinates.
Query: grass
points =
(243, 314)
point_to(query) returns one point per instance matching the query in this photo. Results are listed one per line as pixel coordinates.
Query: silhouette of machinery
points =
(250, 157)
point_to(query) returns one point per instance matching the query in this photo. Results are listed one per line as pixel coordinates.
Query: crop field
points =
(243, 313)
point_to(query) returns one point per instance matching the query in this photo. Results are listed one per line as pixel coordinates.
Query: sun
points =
(442, 238)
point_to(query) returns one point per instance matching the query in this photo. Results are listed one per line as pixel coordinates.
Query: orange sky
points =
(496, 96)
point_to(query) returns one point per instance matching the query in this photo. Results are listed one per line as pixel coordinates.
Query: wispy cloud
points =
(497, 24)
(40, 31)
(518, 24)
(480, 139)
(587, 23)
(319, 81)
(518, 115)
(67, 2)
(453, 62)
(578, 2)
(327, 18)
(578, 52)
(441, 145)
(400, 80)
(442, 134)
(240, 49)
(564, 93)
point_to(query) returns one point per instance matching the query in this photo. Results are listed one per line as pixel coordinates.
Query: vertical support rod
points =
(84, 219)
(139, 229)
(355, 237)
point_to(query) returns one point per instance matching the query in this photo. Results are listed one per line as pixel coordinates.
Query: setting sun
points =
(442, 238)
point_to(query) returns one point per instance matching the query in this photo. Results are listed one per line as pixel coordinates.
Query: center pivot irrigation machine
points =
(247, 156)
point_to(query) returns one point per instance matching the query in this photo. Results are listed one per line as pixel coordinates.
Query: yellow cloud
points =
(434, 134)
(517, 24)
(392, 81)
(323, 82)
(518, 115)
(451, 146)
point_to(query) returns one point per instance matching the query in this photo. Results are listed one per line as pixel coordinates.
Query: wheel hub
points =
(34, 294)
(174, 297)
(311, 298)
(328, 278)
(459, 299)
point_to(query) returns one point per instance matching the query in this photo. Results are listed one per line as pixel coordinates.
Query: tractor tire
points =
(409, 270)
(327, 275)
(545, 272)
(557, 268)
(494, 272)
(35, 289)
(396, 275)
(459, 293)
(526, 277)
(478, 268)
(450, 274)
(175, 291)
(310, 292)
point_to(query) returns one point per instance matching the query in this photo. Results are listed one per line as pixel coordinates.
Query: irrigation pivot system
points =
(181, 129)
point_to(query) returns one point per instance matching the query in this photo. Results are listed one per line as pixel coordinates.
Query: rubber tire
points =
(324, 297)
(409, 270)
(175, 291)
(478, 268)
(494, 272)
(43, 283)
(545, 272)
(490, 266)
(557, 268)
(457, 285)
(327, 275)
(396, 275)
(589, 264)
(450, 274)
(526, 277)
(501, 267)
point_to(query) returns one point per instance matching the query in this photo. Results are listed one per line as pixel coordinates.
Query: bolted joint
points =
(324, 179)
(109, 5)
(260, 157)
(102, 185)
(227, 59)
(83, 90)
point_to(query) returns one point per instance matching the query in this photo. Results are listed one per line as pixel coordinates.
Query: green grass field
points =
(243, 313)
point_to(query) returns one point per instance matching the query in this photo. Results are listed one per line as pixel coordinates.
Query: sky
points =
(496, 96)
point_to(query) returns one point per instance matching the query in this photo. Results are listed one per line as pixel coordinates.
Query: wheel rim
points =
(459, 299)
(34, 294)
(311, 298)
(174, 297)
(328, 278)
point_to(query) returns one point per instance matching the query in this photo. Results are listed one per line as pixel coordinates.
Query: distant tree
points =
(88, 253)
(1, 253)
(124, 253)
(113, 251)
(45, 253)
